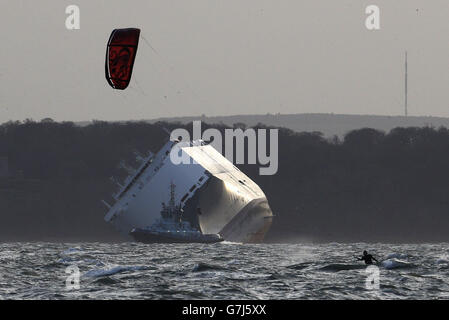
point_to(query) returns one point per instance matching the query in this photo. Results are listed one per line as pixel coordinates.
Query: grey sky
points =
(224, 57)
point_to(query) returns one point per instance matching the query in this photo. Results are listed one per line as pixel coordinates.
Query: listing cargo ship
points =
(214, 198)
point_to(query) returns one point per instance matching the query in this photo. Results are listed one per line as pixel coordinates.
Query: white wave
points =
(231, 242)
(65, 260)
(108, 272)
(71, 250)
(395, 264)
(71, 261)
(397, 256)
(443, 260)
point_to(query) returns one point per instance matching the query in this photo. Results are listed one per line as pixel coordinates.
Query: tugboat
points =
(171, 228)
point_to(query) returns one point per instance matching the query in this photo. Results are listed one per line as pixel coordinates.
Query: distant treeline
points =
(368, 186)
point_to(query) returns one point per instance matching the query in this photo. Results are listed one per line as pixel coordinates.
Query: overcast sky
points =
(224, 57)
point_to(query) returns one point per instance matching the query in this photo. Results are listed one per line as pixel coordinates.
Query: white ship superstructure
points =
(215, 196)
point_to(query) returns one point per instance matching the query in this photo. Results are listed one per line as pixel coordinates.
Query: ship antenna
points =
(172, 195)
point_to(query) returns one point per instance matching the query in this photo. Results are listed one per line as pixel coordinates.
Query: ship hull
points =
(249, 225)
(229, 213)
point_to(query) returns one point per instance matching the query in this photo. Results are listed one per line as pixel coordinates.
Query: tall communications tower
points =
(406, 111)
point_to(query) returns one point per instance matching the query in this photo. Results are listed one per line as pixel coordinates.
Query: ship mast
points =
(171, 203)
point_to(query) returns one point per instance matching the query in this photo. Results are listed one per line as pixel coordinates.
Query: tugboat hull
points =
(152, 237)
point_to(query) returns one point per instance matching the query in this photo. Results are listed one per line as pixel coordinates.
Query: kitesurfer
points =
(367, 258)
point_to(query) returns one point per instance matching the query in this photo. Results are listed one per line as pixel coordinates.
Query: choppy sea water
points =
(221, 271)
